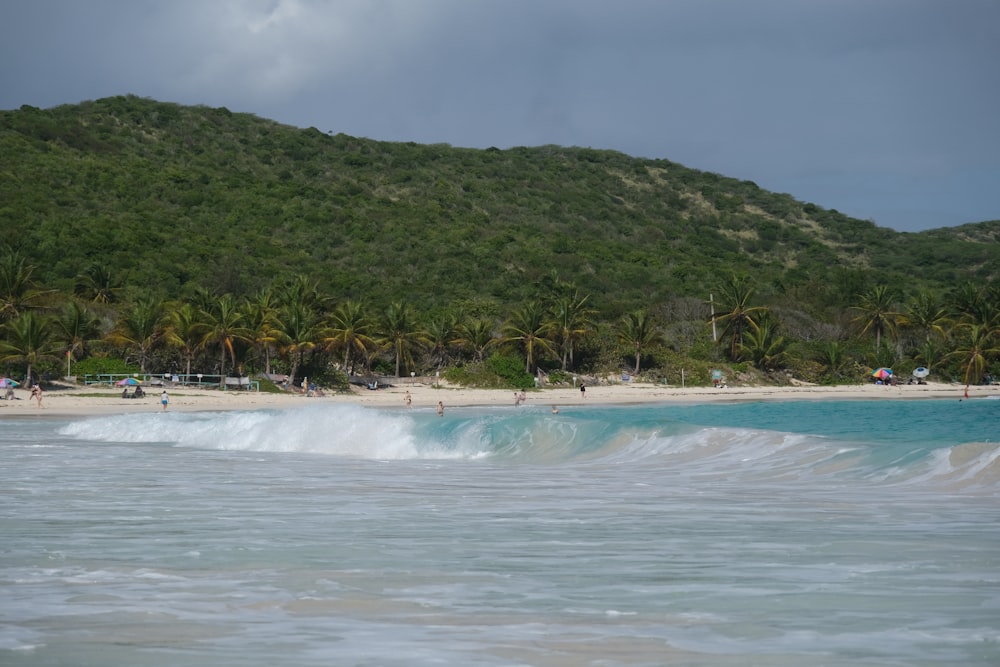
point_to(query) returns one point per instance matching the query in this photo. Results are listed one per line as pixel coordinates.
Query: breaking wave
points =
(534, 437)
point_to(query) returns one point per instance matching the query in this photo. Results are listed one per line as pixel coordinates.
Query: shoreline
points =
(104, 401)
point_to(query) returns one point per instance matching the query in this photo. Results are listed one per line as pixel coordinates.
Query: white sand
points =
(84, 401)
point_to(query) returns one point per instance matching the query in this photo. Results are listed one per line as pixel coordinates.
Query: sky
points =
(886, 110)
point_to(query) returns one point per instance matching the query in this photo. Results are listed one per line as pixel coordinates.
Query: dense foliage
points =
(176, 236)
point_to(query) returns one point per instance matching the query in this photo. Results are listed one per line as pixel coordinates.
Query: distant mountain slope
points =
(173, 197)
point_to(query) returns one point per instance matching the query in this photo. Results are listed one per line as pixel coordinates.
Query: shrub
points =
(511, 370)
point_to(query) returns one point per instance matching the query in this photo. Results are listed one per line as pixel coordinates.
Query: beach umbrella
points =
(882, 373)
(7, 382)
(921, 372)
(127, 382)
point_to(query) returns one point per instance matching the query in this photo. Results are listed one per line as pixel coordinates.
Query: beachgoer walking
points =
(36, 393)
(408, 399)
(522, 398)
(583, 390)
(164, 399)
(440, 409)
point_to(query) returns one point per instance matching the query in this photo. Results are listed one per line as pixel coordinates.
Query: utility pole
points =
(711, 303)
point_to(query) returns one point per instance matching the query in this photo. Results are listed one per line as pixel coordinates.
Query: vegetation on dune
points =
(188, 238)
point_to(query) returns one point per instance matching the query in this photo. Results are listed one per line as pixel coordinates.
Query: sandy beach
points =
(93, 400)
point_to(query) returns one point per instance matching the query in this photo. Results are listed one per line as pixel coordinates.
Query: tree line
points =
(292, 327)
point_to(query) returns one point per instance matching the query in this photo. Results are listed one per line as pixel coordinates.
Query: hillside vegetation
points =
(135, 198)
(173, 197)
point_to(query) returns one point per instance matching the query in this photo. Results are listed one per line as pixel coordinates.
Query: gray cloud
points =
(883, 110)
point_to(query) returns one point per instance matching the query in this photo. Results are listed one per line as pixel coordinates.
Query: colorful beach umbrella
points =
(127, 382)
(7, 382)
(921, 372)
(882, 373)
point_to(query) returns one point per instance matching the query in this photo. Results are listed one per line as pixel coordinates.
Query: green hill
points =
(173, 197)
(171, 237)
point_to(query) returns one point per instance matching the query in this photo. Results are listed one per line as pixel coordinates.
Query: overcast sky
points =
(887, 110)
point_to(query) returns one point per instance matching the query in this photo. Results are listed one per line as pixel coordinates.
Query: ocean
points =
(800, 534)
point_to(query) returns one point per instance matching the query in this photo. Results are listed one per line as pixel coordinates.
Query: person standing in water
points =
(440, 409)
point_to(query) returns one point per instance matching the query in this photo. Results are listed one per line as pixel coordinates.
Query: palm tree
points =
(570, 322)
(203, 300)
(140, 328)
(763, 344)
(29, 340)
(262, 323)
(442, 332)
(304, 291)
(973, 305)
(737, 316)
(876, 312)
(398, 331)
(638, 332)
(185, 329)
(98, 284)
(978, 346)
(931, 354)
(349, 330)
(77, 327)
(301, 328)
(926, 314)
(833, 357)
(18, 291)
(529, 327)
(223, 323)
(477, 335)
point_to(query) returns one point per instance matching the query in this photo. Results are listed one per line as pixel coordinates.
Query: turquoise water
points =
(805, 533)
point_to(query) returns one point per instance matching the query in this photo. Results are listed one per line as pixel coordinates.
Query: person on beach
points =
(440, 409)
(408, 399)
(36, 393)
(583, 390)
(522, 397)
(164, 399)
(517, 400)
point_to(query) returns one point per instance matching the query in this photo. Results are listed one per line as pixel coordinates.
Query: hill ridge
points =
(178, 197)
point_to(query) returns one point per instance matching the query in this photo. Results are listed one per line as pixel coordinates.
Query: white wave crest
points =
(339, 430)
